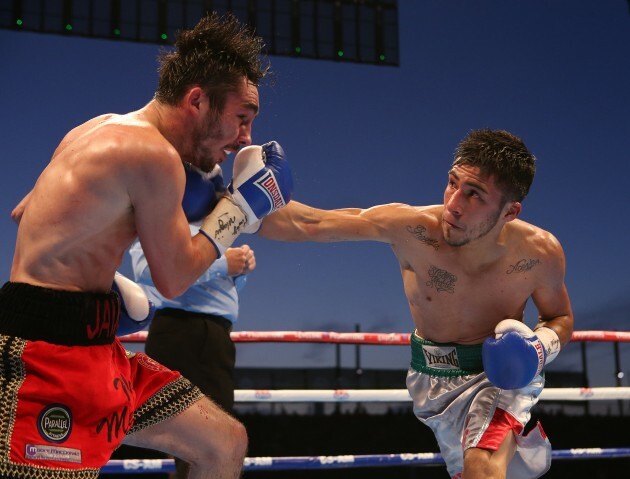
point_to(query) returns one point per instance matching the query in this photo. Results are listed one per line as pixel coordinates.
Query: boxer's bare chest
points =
(452, 301)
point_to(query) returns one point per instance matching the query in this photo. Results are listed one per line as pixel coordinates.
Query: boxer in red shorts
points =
(70, 392)
(53, 409)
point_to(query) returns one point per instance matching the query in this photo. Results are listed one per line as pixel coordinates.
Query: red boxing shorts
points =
(70, 392)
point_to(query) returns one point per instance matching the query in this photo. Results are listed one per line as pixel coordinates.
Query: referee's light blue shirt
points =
(215, 292)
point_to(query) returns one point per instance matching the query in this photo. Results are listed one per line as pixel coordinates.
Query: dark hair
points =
(502, 155)
(215, 55)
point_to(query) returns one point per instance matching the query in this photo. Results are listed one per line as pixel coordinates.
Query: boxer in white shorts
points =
(464, 409)
(468, 266)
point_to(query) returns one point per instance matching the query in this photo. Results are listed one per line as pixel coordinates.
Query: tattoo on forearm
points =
(441, 280)
(420, 234)
(523, 265)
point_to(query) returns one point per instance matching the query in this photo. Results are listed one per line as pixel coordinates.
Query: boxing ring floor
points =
(592, 461)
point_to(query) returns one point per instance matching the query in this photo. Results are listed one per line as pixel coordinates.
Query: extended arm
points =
(300, 222)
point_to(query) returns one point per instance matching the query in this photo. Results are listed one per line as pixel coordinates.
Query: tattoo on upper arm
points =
(441, 280)
(419, 232)
(523, 265)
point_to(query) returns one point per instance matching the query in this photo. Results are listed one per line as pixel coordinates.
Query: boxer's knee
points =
(228, 453)
(236, 442)
(486, 464)
(478, 464)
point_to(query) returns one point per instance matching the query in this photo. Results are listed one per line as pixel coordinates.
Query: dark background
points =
(554, 72)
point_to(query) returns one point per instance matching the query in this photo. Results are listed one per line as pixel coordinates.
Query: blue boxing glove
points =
(516, 355)
(261, 184)
(136, 310)
(261, 181)
(202, 192)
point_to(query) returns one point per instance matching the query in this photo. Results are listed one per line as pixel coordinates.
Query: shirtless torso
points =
(468, 266)
(118, 177)
(80, 207)
(459, 296)
(462, 272)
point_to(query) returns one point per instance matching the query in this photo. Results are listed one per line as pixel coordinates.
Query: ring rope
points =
(380, 395)
(402, 395)
(131, 466)
(364, 338)
(140, 466)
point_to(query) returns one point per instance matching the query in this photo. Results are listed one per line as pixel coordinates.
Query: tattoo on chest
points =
(441, 280)
(419, 232)
(523, 265)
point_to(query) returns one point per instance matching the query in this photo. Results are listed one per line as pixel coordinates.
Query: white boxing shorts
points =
(453, 396)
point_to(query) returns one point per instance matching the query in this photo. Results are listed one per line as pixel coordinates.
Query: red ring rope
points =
(365, 338)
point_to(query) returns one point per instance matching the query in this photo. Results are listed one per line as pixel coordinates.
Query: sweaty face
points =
(219, 134)
(473, 205)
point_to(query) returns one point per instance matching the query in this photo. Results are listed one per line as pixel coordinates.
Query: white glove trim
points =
(508, 325)
(242, 203)
(248, 161)
(547, 336)
(550, 341)
(252, 228)
(133, 296)
(224, 223)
